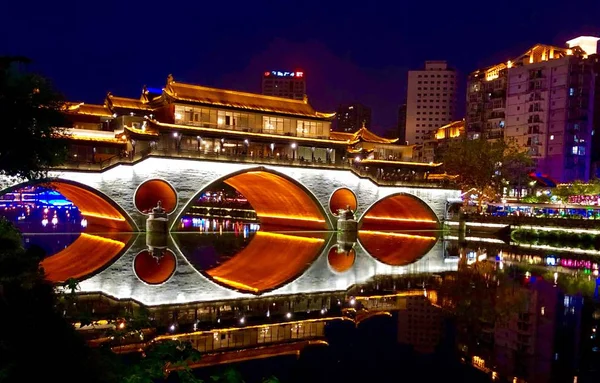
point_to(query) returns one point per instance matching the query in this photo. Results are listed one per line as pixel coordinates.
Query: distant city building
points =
(402, 124)
(544, 99)
(351, 117)
(438, 139)
(431, 100)
(288, 84)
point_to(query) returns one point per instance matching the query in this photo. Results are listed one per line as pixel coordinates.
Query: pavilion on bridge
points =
(199, 121)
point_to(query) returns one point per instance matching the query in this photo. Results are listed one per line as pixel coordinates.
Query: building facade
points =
(402, 124)
(486, 102)
(543, 100)
(435, 141)
(288, 84)
(351, 117)
(431, 100)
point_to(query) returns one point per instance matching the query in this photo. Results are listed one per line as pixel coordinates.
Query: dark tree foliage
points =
(32, 123)
(36, 343)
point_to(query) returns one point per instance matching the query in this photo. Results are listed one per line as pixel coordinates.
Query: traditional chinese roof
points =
(360, 151)
(362, 134)
(95, 136)
(142, 132)
(126, 103)
(87, 109)
(243, 100)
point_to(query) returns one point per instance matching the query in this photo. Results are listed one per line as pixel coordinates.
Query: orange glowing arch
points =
(341, 261)
(267, 262)
(101, 213)
(280, 201)
(400, 212)
(151, 191)
(396, 249)
(86, 256)
(342, 198)
(154, 270)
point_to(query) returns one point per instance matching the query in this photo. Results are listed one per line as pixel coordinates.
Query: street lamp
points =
(293, 151)
(199, 140)
(272, 149)
(177, 137)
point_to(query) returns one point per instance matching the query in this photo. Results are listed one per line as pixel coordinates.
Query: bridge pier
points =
(347, 226)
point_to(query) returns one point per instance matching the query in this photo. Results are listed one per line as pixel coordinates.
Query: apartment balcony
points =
(494, 134)
(496, 115)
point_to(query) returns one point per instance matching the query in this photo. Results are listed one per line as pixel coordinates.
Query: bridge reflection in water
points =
(197, 267)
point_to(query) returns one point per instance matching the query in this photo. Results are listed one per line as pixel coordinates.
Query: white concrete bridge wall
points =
(188, 177)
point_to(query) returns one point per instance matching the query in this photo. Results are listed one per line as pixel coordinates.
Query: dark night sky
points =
(349, 50)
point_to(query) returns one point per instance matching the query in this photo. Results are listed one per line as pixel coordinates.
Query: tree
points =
(32, 122)
(516, 165)
(486, 166)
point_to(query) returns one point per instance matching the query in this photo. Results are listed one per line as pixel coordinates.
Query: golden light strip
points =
(290, 217)
(103, 239)
(401, 163)
(229, 329)
(287, 236)
(399, 235)
(101, 216)
(413, 293)
(400, 219)
(234, 284)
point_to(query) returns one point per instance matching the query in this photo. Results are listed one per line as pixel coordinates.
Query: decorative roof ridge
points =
(236, 92)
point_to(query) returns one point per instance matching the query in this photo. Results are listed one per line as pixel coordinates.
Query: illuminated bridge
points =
(111, 255)
(268, 169)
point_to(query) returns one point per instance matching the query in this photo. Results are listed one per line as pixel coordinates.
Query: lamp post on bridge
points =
(177, 137)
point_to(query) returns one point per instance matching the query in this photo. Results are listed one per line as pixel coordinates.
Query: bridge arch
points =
(149, 192)
(340, 260)
(101, 212)
(88, 255)
(280, 201)
(396, 249)
(341, 198)
(266, 263)
(400, 211)
(154, 270)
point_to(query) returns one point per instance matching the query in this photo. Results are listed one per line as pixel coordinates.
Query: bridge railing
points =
(241, 158)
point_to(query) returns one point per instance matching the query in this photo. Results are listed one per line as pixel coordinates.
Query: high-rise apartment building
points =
(486, 102)
(351, 117)
(543, 100)
(431, 100)
(287, 84)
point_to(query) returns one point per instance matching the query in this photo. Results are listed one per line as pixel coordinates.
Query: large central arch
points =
(101, 213)
(269, 261)
(280, 201)
(399, 211)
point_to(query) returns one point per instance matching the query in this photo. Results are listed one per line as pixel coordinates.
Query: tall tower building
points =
(431, 100)
(351, 117)
(287, 84)
(544, 100)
